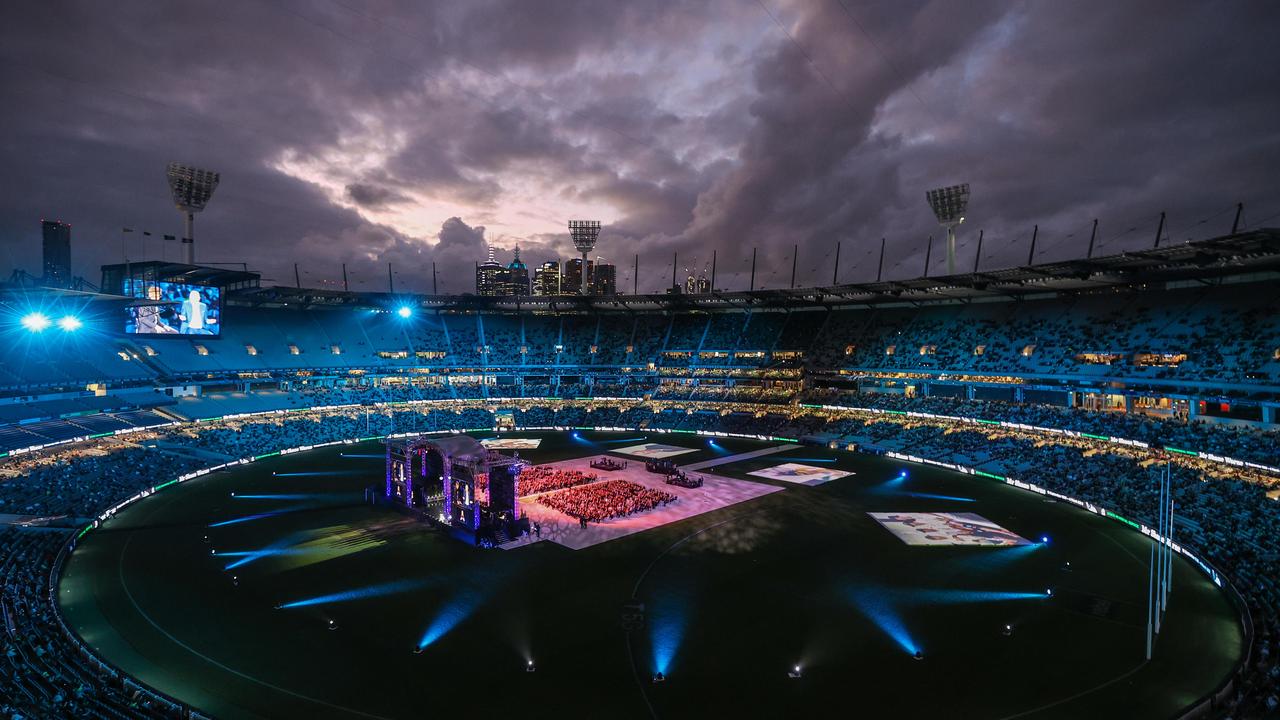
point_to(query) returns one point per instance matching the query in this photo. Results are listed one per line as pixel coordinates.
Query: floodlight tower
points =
(949, 204)
(585, 233)
(191, 188)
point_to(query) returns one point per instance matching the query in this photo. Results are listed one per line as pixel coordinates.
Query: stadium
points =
(762, 500)
(649, 360)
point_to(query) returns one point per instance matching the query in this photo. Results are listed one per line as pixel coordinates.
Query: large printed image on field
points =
(947, 529)
(801, 474)
(495, 443)
(654, 450)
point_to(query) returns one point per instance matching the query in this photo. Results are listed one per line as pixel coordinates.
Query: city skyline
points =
(415, 134)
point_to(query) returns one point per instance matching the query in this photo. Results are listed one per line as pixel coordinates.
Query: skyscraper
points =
(490, 276)
(604, 279)
(572, 281)
(546, 279)
(57, 253)
(517, 277)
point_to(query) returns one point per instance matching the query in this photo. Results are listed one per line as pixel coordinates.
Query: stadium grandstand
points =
(1095, 372)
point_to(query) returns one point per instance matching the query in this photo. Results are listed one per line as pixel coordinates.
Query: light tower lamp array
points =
(585, 233)
(949, 204)
(191, 188)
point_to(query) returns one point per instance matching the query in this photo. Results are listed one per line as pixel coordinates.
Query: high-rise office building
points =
(604, 279)
(57, 253)
(546, 279)
(490, 276)
(516, 281)
(572, 280)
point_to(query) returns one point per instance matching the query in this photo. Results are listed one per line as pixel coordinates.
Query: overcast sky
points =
(406, 132)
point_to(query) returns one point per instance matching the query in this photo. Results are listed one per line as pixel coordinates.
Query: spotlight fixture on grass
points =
(794, 673)
(1048, 592)
(919, 655)
(1066, 567)
(659, 677)
(1044, 539)
(529, 667)
(332, 624)
(1007, 631)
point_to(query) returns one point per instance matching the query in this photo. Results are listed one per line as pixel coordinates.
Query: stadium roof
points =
(1255, 252)
(156, 270)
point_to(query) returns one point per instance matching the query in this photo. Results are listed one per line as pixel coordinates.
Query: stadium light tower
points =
(585, 233)
(191, 188)
(949, 204)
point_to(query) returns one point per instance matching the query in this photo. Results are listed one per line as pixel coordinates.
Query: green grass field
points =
(734, 598)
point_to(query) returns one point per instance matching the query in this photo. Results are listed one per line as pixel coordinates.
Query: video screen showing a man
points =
(174, 309)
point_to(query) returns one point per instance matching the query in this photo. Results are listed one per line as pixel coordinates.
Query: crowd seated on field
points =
(544, 478)
(605, 500)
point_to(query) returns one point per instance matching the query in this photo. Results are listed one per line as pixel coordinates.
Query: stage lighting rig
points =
(949, 204)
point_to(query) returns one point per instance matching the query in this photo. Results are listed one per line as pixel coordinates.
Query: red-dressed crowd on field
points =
(604, 500)
(541, 478)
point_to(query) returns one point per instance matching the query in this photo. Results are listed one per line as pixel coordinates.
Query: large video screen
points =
(169, 309)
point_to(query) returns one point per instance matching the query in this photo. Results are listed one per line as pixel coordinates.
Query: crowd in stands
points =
(1240, 442)
(1224, 513)
(601, 501)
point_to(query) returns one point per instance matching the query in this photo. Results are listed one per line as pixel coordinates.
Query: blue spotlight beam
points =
(876, 607)
(248, 518)
(459, 608)
(371, 591)
(667, 628)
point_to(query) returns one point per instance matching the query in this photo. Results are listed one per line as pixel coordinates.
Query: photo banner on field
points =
(947, 529)
(655, 451)
(511, 443)
(801, 474)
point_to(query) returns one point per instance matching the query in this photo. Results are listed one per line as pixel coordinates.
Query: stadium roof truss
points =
(1205, 261)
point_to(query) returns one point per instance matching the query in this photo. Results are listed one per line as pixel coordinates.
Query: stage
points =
(716, 492)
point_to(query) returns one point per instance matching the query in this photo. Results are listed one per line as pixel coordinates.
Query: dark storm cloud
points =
(412, 133)
(374, 196)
